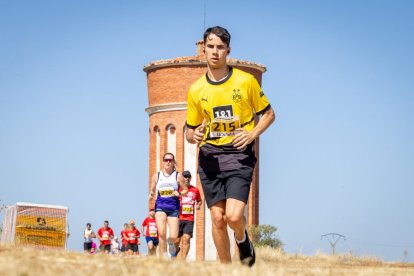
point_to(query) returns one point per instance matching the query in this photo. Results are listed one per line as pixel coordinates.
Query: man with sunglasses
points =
(226, 111)
(188, 204)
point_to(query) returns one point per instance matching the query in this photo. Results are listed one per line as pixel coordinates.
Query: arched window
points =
(157, 134)
(171, 139)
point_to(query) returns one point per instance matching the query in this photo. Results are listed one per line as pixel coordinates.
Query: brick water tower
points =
(168, 84)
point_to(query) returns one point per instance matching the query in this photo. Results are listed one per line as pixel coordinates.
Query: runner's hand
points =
(242, 139)
(199, 133)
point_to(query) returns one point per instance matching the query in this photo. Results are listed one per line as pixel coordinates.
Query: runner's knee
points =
(219, 221)
(234, 218)
(186, 239)
(162, 236)
(173, 238)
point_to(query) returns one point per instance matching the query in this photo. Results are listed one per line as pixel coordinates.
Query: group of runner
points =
(175, 206)
(108, 242)
(226, 112)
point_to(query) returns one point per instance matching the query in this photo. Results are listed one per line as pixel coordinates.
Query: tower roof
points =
(198, 60)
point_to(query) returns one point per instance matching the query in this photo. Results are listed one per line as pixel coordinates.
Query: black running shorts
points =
(133, 247)
(105, 247)
(186, 227)
(87, 246)
(219, 186)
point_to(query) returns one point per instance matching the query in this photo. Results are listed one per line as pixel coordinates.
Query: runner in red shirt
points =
(188, 204)
(151, 232)
(124, 237)
(105, 235)
(133, 236)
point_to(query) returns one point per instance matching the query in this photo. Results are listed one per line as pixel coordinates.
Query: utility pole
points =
(333, 238)
(405, 252)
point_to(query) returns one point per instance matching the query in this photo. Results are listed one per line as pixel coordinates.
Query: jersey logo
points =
(204, 99)
(237, 97)
(261, 94)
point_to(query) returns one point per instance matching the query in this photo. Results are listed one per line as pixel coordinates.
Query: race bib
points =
(153, 231)
(224, 122)
(166, 191)
(187, 210)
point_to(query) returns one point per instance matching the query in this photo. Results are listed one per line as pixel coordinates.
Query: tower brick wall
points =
(168, 83)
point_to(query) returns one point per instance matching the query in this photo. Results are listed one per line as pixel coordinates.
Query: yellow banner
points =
(40, 230)
(26, 236)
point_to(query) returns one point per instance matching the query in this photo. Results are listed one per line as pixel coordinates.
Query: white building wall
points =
(190, 164)
(210, 252)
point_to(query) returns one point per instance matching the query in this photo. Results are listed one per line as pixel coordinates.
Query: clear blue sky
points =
(340, 158)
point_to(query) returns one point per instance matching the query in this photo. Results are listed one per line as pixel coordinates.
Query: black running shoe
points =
(246, 252)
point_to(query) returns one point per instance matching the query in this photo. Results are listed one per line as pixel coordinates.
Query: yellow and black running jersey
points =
(226, 105)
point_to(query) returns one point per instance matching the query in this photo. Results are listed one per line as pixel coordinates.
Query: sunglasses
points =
(187, 176)
(168, 160)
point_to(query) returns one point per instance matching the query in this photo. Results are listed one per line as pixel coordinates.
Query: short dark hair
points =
(187, 174)
(88, 224)
(220, 32)
(106, 221)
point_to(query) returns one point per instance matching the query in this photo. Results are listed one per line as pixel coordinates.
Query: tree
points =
(264, 235)
(2, 207)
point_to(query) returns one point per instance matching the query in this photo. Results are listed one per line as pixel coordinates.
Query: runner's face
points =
(168, 161)
(187, 180)
(216, 52)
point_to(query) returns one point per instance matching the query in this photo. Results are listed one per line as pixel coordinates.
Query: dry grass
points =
(29, 261)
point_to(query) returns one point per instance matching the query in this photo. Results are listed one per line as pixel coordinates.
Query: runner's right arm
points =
(154, 180)
(195, 135)
(143, 230)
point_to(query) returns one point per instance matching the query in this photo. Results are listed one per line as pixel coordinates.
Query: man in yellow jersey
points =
(222, 106)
